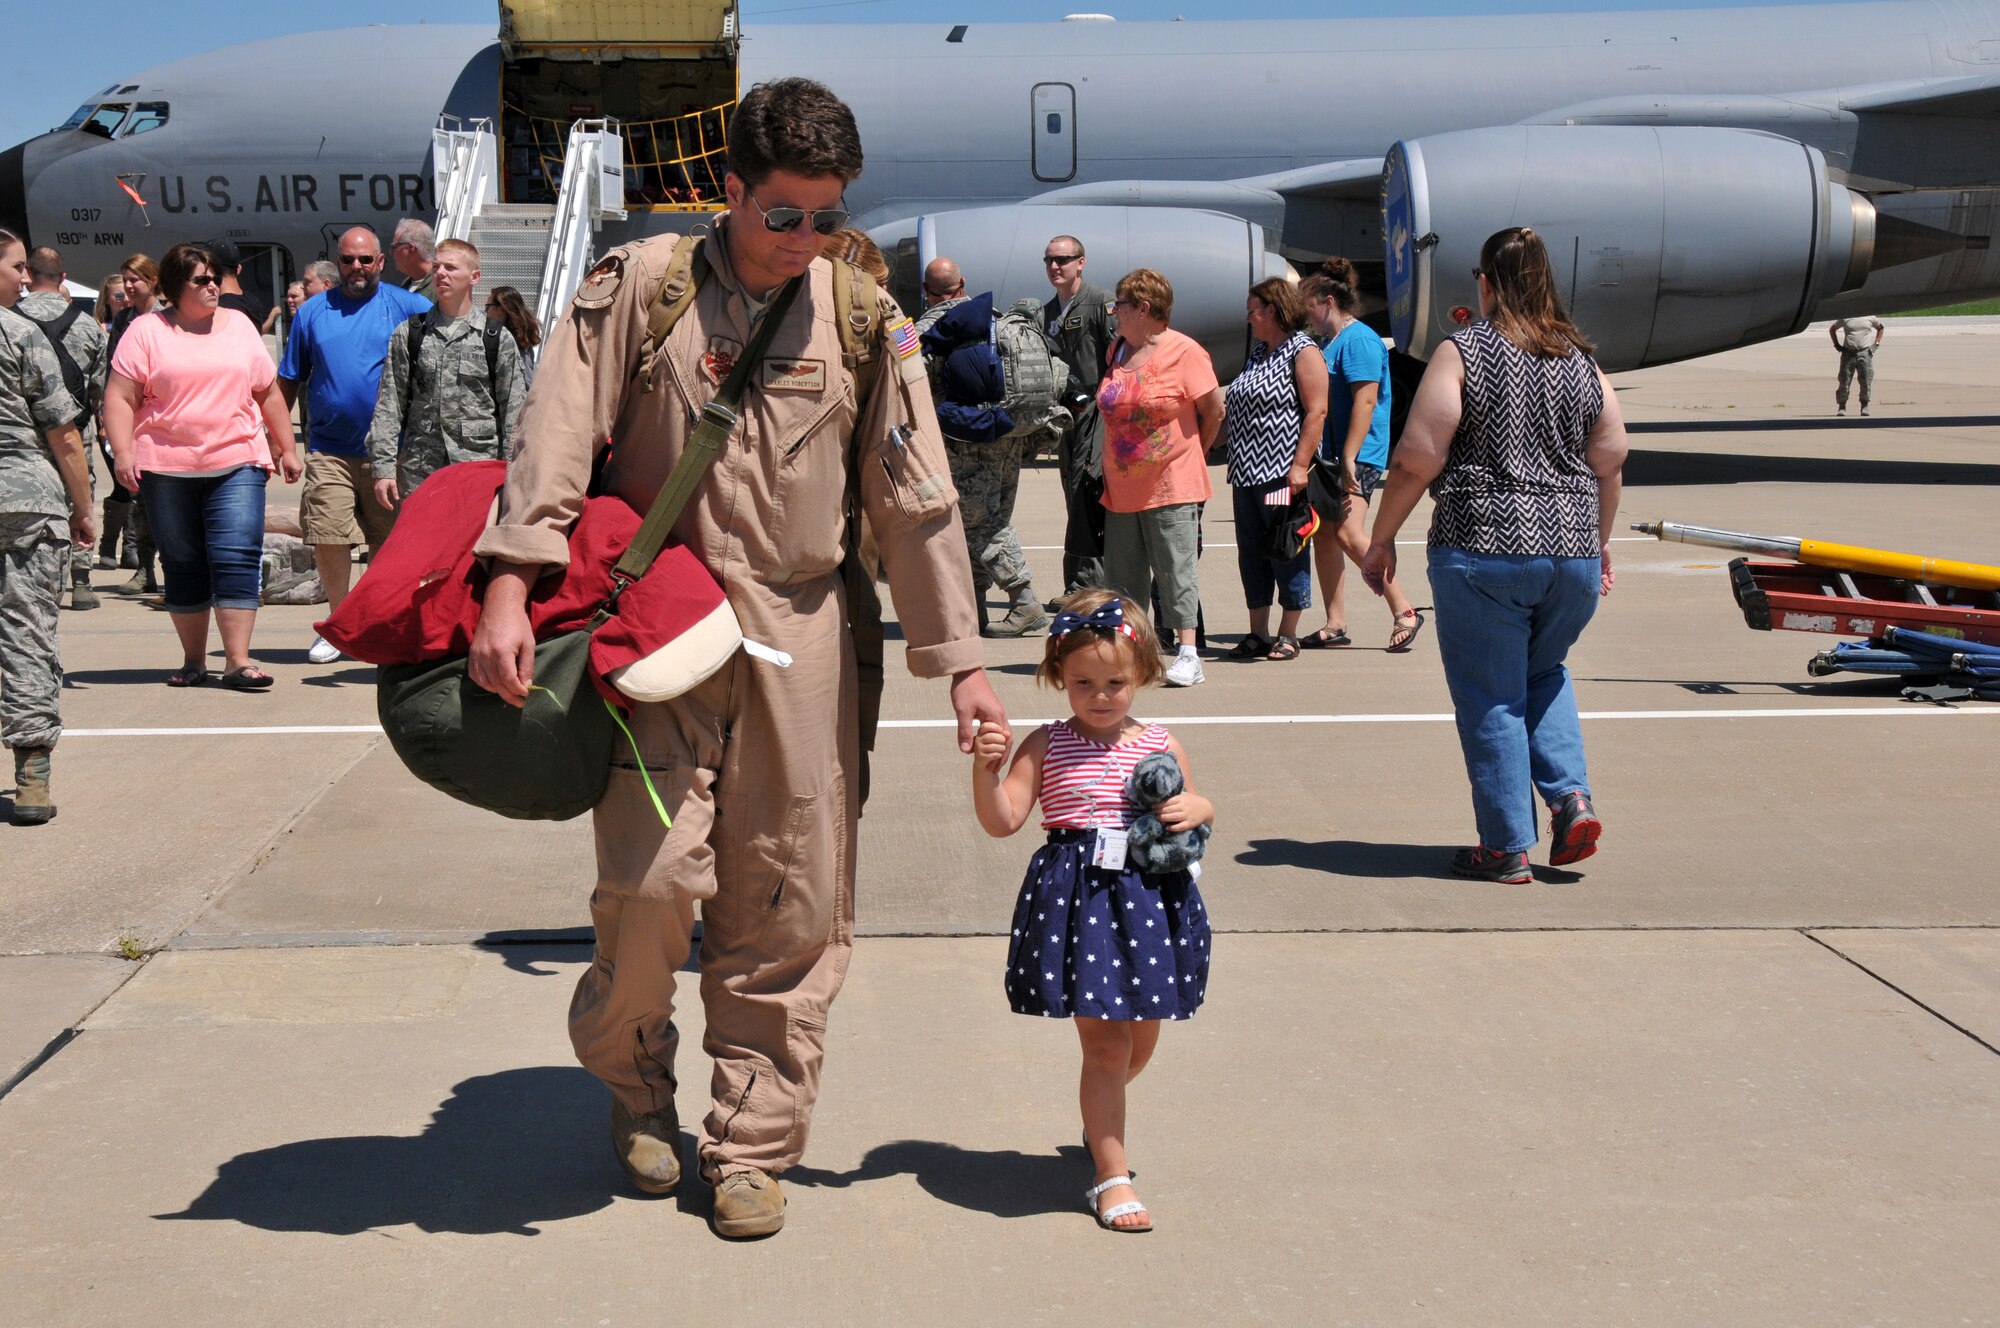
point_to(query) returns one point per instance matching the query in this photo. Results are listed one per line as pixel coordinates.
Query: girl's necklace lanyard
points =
(1108, 848)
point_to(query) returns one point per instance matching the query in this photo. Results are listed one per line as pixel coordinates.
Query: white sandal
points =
(1109, 1218)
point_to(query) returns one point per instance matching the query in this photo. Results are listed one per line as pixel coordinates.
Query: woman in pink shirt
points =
(193, 410)
(1162, 410)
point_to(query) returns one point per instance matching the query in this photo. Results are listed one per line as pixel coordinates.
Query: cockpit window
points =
(104, 121)
(76, 120)
(146, 116)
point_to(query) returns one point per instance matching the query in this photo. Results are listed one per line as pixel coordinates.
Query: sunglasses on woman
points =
(203, 282)
(824, 221)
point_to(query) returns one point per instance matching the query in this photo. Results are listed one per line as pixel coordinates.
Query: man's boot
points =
(748, 1204)
(81, 596)
(31, 786)
(1024, 617)
(648, 1147)
(117, 516)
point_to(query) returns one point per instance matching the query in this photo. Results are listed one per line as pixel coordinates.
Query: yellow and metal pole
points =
(1824, 553)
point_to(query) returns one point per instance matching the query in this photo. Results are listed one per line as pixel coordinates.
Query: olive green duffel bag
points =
(547, 760)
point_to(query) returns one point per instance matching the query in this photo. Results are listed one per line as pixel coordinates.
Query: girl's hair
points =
(1334, 281)
(105, 299)
(143, 268)
(856, 249)
(515, 313)
(1141, 650)
(1526, 308)
(1283, 300)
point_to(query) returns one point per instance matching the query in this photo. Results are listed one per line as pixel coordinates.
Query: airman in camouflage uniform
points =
(89, 351)
(44, 504)
(463, 401)
(987, 476)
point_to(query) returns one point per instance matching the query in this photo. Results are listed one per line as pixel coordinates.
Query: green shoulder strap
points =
(682, 283)
(854, 296)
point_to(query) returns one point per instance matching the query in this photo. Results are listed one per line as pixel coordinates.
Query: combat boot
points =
(1024, 617)
(31, 786)
(648, 1147)
(81, 596)
(145, 581)
(117, 517)
(748, 1204)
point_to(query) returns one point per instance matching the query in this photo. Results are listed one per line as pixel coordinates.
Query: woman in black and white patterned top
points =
(1519, 436)
(1274, 414)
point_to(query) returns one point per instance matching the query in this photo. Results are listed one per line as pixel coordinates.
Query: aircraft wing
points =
(1314, 211)
(1976, 97)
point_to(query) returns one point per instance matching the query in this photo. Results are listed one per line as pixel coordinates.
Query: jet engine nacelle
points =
(1211, 258)
(1667, 242)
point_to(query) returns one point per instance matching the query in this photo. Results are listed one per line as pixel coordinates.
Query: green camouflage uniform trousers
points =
(988, 478)
(452, 410)
(34, 534)
(90, 348)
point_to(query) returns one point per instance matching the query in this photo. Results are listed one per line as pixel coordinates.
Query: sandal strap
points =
(1112, 1184)
(1116, 1211)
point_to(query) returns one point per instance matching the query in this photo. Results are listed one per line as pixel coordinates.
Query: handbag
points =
(1289, 538)
(1325, 491)
(550, 758)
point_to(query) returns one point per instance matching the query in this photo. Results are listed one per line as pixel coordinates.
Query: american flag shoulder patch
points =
(902, 337)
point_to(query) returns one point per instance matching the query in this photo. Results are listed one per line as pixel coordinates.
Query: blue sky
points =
(103, 40)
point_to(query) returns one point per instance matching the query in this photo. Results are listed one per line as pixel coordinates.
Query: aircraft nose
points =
(14, 190)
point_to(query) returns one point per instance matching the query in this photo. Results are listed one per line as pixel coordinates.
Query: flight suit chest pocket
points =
(809, 481)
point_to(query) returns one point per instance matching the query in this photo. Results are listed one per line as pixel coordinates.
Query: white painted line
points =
(1796, 712)
(1792, 712)
(1401, 544)
(270, 730)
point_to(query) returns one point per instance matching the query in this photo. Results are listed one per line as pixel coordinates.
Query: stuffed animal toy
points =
(1152, 848)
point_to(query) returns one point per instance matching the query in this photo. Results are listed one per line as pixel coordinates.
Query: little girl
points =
(1095, 940)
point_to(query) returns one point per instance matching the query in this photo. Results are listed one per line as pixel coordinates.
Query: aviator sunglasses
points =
(784, 219)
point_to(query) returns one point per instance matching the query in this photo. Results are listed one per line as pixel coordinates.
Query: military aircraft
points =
(1706, 178)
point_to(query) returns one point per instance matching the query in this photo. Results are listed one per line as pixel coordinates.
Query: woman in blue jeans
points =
(1518, 435)
(197, 425)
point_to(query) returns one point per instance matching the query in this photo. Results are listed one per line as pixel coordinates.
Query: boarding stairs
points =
(542, 250)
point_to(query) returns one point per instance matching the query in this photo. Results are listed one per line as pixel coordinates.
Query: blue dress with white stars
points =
(1096, 944)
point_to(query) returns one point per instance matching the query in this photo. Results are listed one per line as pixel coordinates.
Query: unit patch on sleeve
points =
(602, 283)
(902, 337)
(794, 375)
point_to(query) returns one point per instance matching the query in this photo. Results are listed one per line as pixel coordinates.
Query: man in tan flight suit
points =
(758, 765)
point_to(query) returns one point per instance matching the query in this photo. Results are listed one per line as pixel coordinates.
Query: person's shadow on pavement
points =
(505, 1151)
(1004, 1183)
(1350, 857)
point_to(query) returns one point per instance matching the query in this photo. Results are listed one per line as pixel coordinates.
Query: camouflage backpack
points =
(1034, 374)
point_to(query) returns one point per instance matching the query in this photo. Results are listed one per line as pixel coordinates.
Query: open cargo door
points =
(665, 71)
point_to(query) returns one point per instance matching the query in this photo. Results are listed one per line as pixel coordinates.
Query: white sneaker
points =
(1185, 671)
(322, 651)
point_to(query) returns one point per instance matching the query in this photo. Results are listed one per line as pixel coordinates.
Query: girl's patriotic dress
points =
(1100, 944)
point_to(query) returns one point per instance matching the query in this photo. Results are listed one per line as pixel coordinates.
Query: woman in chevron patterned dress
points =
(1518, 435)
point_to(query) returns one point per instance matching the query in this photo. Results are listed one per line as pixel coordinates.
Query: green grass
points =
(1976, 307)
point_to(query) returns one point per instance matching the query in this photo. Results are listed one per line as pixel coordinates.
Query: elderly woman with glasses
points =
(193, 410)
(1518, 435)
(1162, 409)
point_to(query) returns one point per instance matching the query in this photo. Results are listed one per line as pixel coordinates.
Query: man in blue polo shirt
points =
(338, 343)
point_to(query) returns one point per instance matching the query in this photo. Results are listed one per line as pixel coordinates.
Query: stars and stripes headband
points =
(1109, 619)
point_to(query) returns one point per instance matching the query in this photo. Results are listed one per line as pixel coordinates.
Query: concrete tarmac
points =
(1743, 1066)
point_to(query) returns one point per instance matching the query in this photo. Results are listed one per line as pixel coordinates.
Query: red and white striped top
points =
(1083, 782)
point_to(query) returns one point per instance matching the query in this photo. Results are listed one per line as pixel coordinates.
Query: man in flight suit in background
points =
(757, 766)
